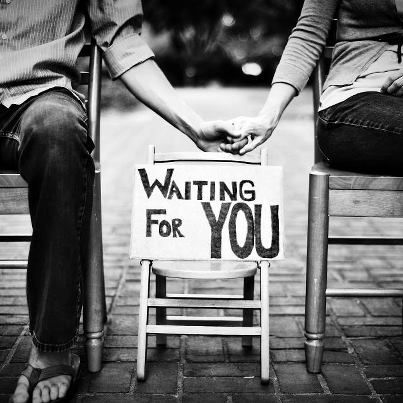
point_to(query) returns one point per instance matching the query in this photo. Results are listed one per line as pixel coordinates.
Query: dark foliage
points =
(210, 40)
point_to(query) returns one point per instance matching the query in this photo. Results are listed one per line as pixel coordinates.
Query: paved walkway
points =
(364, 345)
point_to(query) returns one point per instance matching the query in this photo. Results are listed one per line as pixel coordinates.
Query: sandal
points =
(36, 375)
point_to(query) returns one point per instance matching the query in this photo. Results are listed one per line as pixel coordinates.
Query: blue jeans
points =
(363, 133)
(46, 140)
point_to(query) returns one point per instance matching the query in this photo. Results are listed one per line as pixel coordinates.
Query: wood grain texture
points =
(204, 330)
(339, 179)
(11, 180)
(14, 201)
(217, 303)
(365, 203)
(366, 182)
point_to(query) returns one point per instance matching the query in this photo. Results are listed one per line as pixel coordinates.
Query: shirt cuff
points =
(292, 75)
(125, 53)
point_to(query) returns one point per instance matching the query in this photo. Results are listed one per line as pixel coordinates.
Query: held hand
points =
(394, 84)
(215, 133)
(255, 130)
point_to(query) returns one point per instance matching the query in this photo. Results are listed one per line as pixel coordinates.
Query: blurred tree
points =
(215, 38)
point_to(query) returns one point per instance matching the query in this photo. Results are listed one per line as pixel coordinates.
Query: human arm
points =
(299, 58)
(260, 127)
(148, 83)
(116, 27)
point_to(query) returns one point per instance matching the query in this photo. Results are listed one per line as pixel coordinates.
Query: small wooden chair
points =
(341, 194)
(14, 200)
(214, 326)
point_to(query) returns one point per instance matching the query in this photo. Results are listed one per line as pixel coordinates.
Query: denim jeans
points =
(46, 140)
(363, 133)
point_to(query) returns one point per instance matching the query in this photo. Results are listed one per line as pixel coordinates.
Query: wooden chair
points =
(340, 194)
(14, 200)
(214, 326)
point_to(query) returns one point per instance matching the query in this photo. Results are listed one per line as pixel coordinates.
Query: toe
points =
(63, 389)
(45, 393)
(54, 391)
(21, 394)
(36, 395)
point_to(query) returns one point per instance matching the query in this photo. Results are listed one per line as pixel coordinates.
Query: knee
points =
(53, 127)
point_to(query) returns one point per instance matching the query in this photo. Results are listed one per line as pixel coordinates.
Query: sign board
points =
(204, 212)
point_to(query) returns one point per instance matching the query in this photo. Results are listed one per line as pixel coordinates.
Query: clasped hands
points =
(244, 134)
(236, 136)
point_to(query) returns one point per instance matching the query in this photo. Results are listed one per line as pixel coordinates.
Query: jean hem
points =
(52, 348)
(9, 135)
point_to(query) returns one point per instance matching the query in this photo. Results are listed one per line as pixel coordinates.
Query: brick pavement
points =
(364, 345)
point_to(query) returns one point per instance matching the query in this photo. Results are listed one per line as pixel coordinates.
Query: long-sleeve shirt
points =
(40, 41)
(371, 80)
(359, 22)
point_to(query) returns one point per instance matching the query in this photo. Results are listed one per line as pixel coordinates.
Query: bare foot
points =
(49, 389)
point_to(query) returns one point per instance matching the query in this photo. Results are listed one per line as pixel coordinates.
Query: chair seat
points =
(11, 179)
(13, 193)
(339, 179)
(204, 269)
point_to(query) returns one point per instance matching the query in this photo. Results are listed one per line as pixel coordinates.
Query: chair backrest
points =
(208, 157)
(319, 76)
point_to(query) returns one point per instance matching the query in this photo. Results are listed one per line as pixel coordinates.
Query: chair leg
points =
(94, 295)
(264, 322)
(248, 294)
(143, 319)
(104, 307)
(316, 276)
(161, 313)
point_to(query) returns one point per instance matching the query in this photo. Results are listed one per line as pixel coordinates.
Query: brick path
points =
(364, 345)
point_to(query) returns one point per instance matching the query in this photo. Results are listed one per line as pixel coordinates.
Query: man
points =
(43, 135)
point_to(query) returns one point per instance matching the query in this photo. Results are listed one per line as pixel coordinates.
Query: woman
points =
(361, 109)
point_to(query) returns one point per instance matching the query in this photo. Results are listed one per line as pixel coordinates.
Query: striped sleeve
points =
(116, 26)
(306, 43)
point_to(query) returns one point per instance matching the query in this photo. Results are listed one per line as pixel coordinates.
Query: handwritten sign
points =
(196, 212)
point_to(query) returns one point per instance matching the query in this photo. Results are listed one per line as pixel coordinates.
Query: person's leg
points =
(9, 139)
(54, 158)
(364, 134)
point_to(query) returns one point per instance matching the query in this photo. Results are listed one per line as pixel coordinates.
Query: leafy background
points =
(213, 42)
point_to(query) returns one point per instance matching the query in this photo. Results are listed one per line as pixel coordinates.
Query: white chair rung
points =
(214, 303)
(204, 330)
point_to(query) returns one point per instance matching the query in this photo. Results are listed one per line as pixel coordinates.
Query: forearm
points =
(148, 83)
(277, 101)
(259, 128)
(306, 43)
